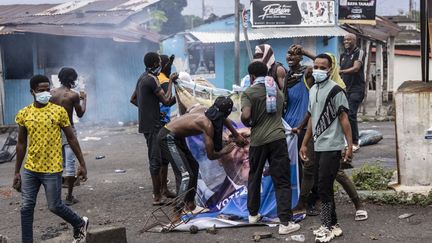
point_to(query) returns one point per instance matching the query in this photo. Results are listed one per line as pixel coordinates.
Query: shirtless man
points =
(70, 100)
(171, 140)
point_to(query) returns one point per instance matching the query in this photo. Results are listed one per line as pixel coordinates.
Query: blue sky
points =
(384, 7)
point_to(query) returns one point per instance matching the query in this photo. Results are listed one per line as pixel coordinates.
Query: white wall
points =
(407, 68)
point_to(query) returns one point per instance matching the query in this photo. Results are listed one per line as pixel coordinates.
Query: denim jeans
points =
(31, 182)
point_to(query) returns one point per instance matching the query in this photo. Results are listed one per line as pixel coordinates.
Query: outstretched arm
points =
(239, 139)
(209, 145)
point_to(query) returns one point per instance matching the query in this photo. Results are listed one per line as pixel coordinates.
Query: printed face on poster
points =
(357, 11)
(285, 13)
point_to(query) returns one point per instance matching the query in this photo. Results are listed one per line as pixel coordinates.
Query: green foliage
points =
(371, 177)
(401, 198)
(192, 21)
(175, 22)
(158, 18)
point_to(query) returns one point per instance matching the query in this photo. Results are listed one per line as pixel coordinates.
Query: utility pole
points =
(203, 9)
(237, 43)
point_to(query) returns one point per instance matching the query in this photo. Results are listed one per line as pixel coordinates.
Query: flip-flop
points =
(361, 215)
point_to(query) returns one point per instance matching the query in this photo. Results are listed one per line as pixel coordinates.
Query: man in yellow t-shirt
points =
(39, 132)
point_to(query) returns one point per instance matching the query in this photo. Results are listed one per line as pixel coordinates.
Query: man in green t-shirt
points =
(262, 105)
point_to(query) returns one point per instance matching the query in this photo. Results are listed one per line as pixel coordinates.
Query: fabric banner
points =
(357, 11)
(285, 13)
(222, 183)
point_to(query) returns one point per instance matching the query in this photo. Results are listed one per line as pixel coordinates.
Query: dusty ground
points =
(112, 199)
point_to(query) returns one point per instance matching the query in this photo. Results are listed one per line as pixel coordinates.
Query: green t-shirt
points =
(266, 128)
(326, 102)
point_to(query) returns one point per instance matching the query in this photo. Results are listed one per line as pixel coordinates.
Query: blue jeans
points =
(31, 182)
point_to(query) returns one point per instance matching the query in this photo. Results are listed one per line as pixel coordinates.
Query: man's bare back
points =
(68, 99)
(190, 124)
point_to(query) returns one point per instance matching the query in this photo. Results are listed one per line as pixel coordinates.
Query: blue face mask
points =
(155, 71)
(320, 75)
(43, 97)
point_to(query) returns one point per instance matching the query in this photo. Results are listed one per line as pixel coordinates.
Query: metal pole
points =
(424, 40)
(237, 43)
(245, 29)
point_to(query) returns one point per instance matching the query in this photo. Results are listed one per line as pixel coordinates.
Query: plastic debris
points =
(100, 157)
(298, 238)
(405, 215)
(120, 171)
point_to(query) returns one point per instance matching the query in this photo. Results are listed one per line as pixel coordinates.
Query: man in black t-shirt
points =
(147, 95)
(351, 63)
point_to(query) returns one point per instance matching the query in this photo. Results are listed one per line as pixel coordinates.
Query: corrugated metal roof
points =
(73, 12)
(86, 18)
(269, 33)
(117, 34)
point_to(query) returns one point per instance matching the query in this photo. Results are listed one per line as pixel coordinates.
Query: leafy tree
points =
(158, 19)
(192, 21)
(175, 21)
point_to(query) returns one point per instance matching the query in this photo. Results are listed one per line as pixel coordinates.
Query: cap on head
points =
(224, 105)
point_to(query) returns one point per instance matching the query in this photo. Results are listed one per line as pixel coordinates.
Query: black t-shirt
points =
(148, 103)
(354, 82)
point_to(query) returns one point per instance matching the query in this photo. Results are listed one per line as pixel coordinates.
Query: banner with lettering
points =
(222, 183)
(286, 13)
(357, 11)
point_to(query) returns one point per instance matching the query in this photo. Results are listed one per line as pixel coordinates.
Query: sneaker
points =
(355, 148)
(336, 229)
(69, 201)
(254, 219)
(80, 233)
(286, 229)
(319, 230)
(325, 235)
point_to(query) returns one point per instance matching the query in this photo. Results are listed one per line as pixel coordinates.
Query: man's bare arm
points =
(133, 98)
(73, 143)
(240, 140)
(303, 124)
(346, 127)
(21, 148)
(307, 137)
(354, 69)
(209, 145)
(280, 74)
(80, 103)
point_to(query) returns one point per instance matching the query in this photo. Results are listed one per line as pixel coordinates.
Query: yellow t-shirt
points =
(44, 136)
(163, 78)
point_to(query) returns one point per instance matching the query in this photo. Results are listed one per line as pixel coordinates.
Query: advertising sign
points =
(285, 13)
(357, 11)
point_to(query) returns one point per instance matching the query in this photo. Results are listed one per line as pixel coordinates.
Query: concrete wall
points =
(413, 118)
(406, 68)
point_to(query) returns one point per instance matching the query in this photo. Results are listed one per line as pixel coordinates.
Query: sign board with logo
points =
(357, 11)
(285, 13)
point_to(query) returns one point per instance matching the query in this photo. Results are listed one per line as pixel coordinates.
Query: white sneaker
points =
(80, 233)
(325, 235)
(336, 229)
(286, 229)
(319, 230)
(254, 219)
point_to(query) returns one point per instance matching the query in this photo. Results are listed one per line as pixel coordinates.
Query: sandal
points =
(361, 215)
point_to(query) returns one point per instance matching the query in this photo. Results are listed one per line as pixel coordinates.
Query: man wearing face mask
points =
(262, 105)
(147, 96)
(70, 100)
(328, 123)
(39, 134)
(171, 140)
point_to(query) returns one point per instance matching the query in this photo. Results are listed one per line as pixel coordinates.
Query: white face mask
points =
(319, 75)
(43, 97)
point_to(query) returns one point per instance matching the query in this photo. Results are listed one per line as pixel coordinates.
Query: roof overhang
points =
(266, 33)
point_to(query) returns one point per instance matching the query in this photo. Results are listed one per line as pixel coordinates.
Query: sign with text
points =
(285, 13)
(357, 11)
